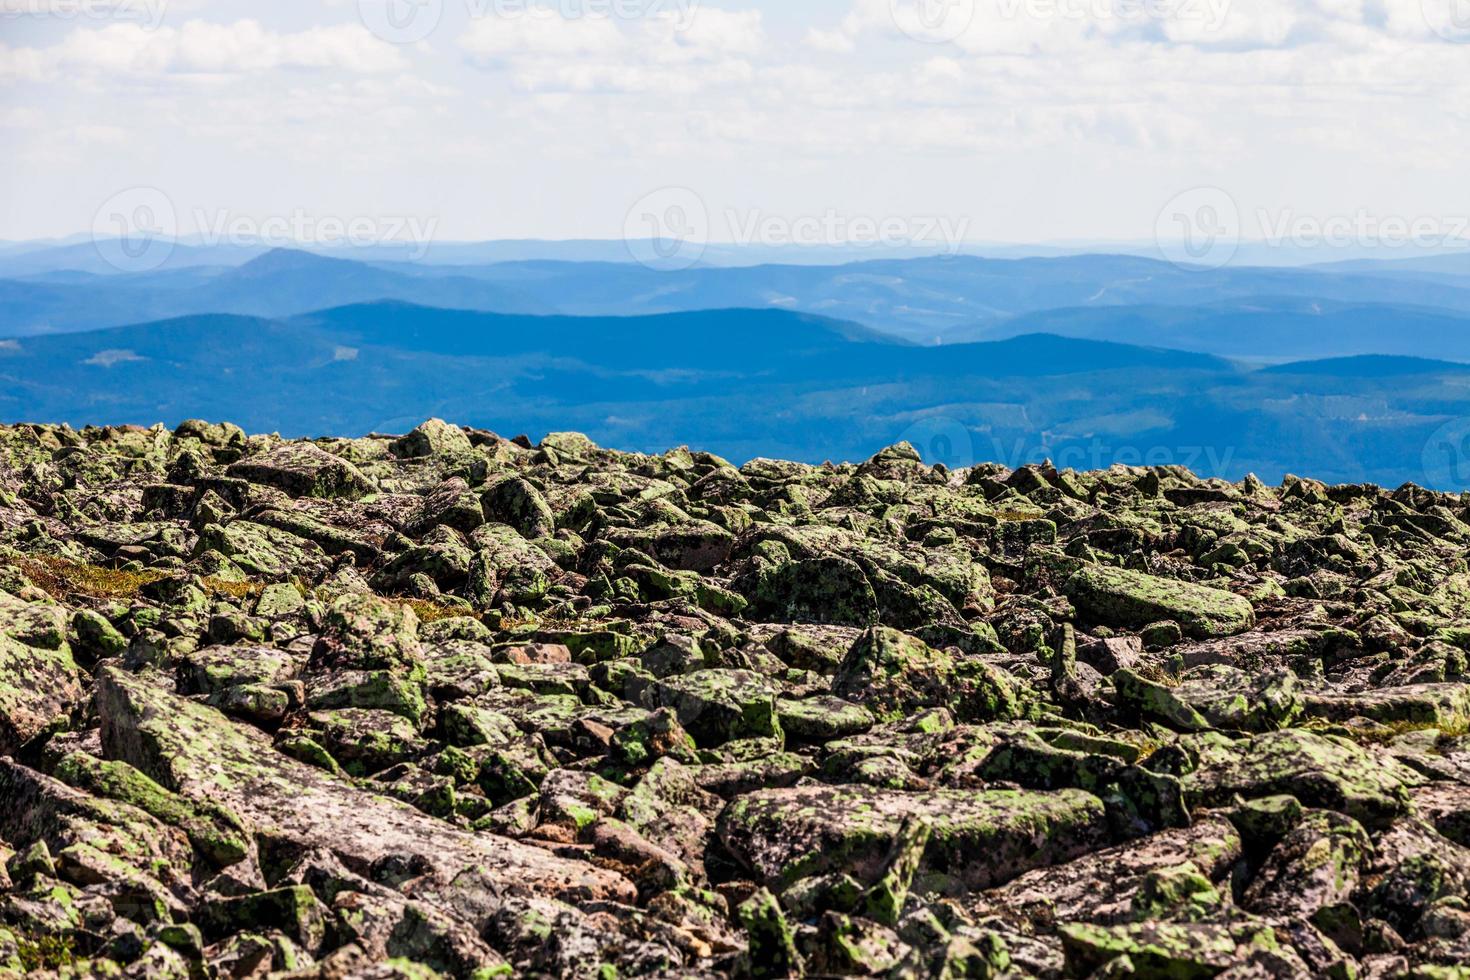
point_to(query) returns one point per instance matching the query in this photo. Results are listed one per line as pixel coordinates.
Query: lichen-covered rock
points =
(897, 674)
(213, 830)
(513, 501)
(979, 838)
(430, 438)
(718, 706)
(39, 686)
(202, 757)
(1187, 951)
(1314, 866)
(1321, 771)
(1104, 887)
(303, 470)
(1121, 597)
(449, 704)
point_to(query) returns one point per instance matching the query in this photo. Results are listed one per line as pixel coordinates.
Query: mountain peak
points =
(286, 259)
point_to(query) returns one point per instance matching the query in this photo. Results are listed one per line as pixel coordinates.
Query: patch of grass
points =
(234, 590)
(429, 611)
(1382, 733)
(1012, 515)
(38, 953)
(59, 578)
(1158, 673)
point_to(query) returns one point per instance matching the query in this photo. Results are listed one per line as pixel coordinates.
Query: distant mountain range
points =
(1280, 313)
(1262, 328)
(1357, 371)
(752, 382)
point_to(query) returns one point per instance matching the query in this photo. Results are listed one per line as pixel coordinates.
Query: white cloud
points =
(1035, 123)
(129, 49)
(546, 52)
(539, 33)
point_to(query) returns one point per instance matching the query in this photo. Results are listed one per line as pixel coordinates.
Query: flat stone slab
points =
(1122, 597)
(200, 754)
(1443, 705)
(981, 838)
(303, 470)
(1100, 887)
(1320, 770)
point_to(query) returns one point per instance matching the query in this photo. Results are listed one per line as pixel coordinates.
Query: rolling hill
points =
(280, 283)
(924, 300)
(745, 383)
(1258, 329)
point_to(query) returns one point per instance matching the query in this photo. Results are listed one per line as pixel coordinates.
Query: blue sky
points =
(1014, 120)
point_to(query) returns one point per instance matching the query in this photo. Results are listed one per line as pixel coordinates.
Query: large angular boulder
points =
(1106, 887)
(1122, 597)
(40, 683)
(515, 502)
(717, 706)
(1320, 770)
(432, 437)
(980, 839)
(895, 674)
(197, 753)
(300, 469)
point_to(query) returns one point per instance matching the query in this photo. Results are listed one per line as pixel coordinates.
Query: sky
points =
(802, 121)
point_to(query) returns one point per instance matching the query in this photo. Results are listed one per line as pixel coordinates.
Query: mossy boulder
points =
(38, 689)
(1319, 770)
(1172, 950)
(979, 839)
(212, 829)
(717, 706)
(895, 674)
(829, 590)
(1122, 597)
(303, 470)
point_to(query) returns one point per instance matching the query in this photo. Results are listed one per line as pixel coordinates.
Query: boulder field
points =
(449, 704)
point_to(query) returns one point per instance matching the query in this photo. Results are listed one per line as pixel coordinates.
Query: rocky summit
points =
(449, 704)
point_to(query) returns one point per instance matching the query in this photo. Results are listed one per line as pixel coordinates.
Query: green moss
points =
(41, 953)
(212, 829)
